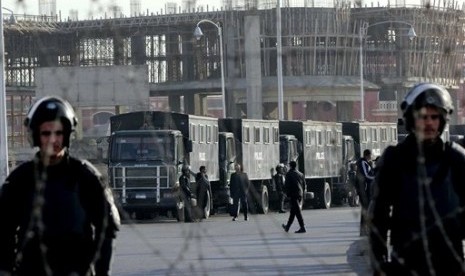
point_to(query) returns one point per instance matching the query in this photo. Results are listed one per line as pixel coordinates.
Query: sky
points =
(97, 8)
(93, 8)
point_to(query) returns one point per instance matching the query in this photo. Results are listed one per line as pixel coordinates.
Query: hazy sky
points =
(98, 8)
(95, 8)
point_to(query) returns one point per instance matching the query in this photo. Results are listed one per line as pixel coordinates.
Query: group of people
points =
(58, 216)
(193, 199)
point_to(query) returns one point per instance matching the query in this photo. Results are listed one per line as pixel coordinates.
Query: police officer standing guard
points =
(57, 215)
(419, 193)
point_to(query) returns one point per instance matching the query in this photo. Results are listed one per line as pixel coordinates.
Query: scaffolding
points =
(317, 41)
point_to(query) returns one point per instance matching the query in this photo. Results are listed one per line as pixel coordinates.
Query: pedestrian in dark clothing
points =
(294, 186)
(239, 191)
(187, 198)
(365, 176)
(57, 214)
(419, 196)
(279, 179)
(202, 187)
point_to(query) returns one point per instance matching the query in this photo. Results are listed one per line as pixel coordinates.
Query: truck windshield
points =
(153, 148)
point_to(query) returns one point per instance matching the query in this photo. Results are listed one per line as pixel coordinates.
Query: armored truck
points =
(327, 151)
(257, 150)
(147, 151)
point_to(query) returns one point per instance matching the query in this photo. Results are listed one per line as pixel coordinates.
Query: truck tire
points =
(264, 201)
(207, 205)
(325, 197)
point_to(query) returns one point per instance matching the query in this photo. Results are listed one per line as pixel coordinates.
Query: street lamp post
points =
(198, 34)
(3, 116)
(362, 32)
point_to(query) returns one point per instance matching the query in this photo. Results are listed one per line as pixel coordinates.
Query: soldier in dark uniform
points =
(57, 215)
(279, 179)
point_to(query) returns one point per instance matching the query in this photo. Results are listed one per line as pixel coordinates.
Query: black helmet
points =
(426, 94)
(47, 109)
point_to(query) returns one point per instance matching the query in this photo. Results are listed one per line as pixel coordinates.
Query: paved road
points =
(218, 246)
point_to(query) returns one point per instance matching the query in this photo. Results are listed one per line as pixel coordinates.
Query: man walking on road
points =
(294, 189)
(239, 190)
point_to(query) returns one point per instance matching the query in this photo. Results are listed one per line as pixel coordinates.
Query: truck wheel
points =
(264, 200)
(207, 205)
(325, 197)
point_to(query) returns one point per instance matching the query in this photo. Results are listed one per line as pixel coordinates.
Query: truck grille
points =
(142, 177)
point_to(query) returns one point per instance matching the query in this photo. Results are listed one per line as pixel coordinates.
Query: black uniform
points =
(279, 179)
(202, 186)
(57, 220)
(239, 191)
(295, 182)
(186, 196)
(365, 176)
(426, 222)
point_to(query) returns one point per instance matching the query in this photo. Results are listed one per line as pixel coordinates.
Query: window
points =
(257, 135)
(394, 134)
(363, 135)
(275, 135)
(201, 134)
(308, 138)
(266, 135)
(193, 137)
(209, 134)
(319, 138)
(215, 134)
(246, 135)
(328, 138)
(384, 134)
(313, 137)
(374, 135)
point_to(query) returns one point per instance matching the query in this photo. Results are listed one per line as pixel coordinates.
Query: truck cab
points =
(143, 167)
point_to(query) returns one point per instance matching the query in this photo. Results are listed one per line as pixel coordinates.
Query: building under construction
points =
(118, 64)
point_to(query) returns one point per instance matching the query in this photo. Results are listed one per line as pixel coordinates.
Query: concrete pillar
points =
(120, 109)
(230, 71)
(253, 67)
(118, 50)
(203, 104)
(48, 52)
(311, 111)
(137, 50)
(345, 111)
(172, 57)
(74, 54)
(289, 110)
(187, 57)
(189, 104)
(174, 103)
(78, 131)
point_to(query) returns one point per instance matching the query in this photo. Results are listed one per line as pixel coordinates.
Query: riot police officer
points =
(57, 215)
(419, 194)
